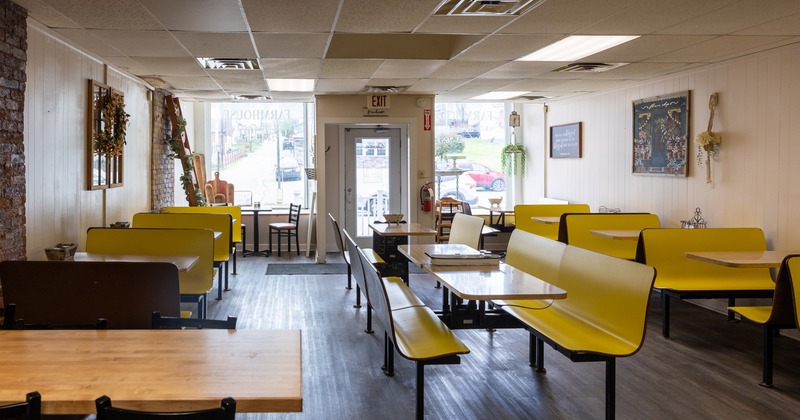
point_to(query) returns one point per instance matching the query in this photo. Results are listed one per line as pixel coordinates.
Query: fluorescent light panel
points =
(576, 47)
(291, 85)
(500, 95)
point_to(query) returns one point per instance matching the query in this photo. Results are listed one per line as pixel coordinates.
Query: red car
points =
(484, 177)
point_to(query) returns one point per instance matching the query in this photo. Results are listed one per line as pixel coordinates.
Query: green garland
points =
(508, 159)
(175, 144)
(111, 139)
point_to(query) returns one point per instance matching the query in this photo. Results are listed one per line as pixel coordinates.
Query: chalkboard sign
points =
(565, 141)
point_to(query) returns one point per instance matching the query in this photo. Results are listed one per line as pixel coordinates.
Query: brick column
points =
(13, 58)
(162, 167)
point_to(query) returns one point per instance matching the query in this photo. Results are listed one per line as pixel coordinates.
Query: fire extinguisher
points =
(426, 197)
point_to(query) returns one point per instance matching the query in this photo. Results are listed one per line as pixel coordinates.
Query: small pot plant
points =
(508, 159)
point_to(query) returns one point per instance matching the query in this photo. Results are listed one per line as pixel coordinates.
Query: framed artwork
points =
(565, 141)
(660, 135)
(105, 141)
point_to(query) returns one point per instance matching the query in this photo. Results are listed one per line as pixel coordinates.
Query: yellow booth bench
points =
(194, 284)
(410, 328)
(576, 229)
(603, 317)
(236, 216)
(781, 314)
(217, 222)
(681, 277)
(524, 214)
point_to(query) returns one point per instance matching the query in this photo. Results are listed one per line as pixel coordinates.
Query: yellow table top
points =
(183, 262)
(155, 370)
(485, 282)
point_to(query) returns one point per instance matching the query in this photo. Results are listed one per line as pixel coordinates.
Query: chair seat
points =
(281, 225)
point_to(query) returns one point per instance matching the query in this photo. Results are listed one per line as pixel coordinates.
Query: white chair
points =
(466, 230)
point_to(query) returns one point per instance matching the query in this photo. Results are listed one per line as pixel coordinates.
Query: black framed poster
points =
(565, 140)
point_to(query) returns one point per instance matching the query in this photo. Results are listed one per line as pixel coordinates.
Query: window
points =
(261, 149)
(469, 139)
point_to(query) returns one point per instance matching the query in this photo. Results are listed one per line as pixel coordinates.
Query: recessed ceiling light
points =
(500, 95)
(291, 85)
(576, 47)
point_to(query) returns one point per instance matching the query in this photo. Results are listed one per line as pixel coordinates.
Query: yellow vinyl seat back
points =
(523, 214)
(216, 222)
(575, 229)
(199, 242)
(665, 249)
(234, 211)
(537, 256)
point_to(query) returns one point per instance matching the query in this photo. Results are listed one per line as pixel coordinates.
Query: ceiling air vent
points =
(486, 7)
(530, 97)
(250, 98)
(228, 63)
(588, 67)
(384, 89)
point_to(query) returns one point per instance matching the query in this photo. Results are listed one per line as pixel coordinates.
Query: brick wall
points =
(13, 57)
(163, 168)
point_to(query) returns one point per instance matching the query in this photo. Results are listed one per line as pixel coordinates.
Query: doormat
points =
(311, 269)
(305, 269)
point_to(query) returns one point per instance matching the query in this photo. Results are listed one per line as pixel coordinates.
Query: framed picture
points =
(565, 141)
(660, 135)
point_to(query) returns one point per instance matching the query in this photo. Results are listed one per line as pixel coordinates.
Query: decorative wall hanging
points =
(565, 140)
(107, 127)
(660, 127)
(709, 141)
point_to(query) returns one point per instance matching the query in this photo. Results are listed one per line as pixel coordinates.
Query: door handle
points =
(349, 196)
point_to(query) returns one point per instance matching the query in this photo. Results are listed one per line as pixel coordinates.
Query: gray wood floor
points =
(709, 369)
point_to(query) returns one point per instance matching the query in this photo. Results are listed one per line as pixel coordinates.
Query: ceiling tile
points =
(463, 24)
(735, 17)
(173, 66)
(227, 45)
(106, 14)
(198, 15)
(142, 43)
(565, 17)
(291, 45)
(631, 21)
(289, 68)
(296, 16)
(340, 85)
(718, 48)
(47, 15)
(506, 47)
(385, 16)
(89, 41)
(408, 68)
(349, 68)
(645, 47)
(191, 83)
(458, 69)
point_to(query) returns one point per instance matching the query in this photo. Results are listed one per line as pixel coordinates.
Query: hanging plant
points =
(508, 158)
(111, 139)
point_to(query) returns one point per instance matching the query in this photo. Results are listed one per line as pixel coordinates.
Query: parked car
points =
(288, 170)
(484, 177)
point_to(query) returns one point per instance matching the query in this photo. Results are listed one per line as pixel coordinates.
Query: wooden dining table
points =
(478, 283)
(621, 234)
(183, 262)
(500, 224)
(153, 370)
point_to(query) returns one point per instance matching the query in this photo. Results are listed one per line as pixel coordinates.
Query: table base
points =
(394, 263)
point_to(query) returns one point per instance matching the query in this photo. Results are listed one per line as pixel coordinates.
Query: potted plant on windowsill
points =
(508, 158)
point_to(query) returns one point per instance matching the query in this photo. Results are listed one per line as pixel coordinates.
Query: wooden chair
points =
(780, 315)
(337, 233)
(287, 229)
(171, 322)
(105, 411)
(446, 208)
(31, 409)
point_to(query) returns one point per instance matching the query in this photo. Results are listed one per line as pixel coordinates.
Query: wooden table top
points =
(617, 233)
(183, 262)
(402, 229)
(743, 259)
(486, 282)
(154, 370)
(548, 220)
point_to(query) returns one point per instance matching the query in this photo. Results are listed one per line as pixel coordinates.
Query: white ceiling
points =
(349, 45)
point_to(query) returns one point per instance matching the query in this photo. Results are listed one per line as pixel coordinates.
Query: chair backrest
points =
(338, 235)
(610, 292)
(665, 249)
(792, 263)
(31, 409)
(216, 222)
(378, 299)
(575, 229)
(197, 242)
(172, 322)
(356, 264)
(11, 322)
(523, 214)
(78, 293)
(535, 255)
(466, 230)
(105, 411)
(234, 211)
(294, 214)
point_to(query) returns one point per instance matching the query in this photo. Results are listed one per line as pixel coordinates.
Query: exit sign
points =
(377, 101)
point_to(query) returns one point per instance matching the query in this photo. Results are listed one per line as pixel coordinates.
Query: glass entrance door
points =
(373, 176)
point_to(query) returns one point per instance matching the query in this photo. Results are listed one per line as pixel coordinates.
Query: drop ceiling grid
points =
(295, 16)
(198, 15)
(385, 16)
(290, 68)
(290, 45)
(506, 47)
(106, 14)
(222, 45)
(142, 43)
(408, 68)
(344, 68)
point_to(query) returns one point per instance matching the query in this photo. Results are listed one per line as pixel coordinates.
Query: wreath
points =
(111, 139)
